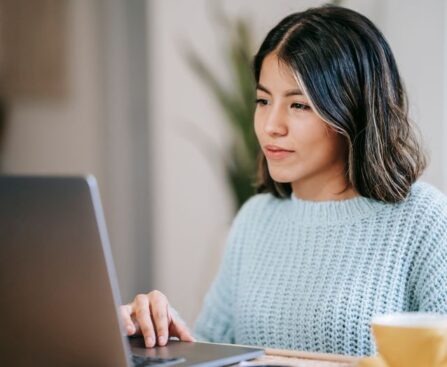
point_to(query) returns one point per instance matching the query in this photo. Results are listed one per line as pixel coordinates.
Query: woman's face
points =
(299, 146)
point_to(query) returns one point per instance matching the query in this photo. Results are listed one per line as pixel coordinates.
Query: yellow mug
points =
(409, 339)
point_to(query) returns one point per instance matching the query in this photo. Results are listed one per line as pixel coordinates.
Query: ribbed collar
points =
(336, 211)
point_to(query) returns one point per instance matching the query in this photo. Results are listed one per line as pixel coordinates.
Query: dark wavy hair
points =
(349, 73)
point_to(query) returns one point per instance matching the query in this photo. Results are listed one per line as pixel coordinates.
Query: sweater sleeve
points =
(431, 286)
(215, 322)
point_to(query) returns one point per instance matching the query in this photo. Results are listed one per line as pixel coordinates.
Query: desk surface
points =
(304, 359)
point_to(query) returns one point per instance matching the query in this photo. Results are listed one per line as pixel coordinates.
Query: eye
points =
(300, 106)
(261, 102)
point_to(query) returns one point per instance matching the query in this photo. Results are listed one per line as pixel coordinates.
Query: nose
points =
(275, 123)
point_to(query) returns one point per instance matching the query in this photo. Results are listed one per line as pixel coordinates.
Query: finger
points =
(126, 311)
(159, 311)
(179, 329)
(143, 317)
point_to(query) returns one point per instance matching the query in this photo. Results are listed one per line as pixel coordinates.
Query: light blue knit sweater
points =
(310, 275)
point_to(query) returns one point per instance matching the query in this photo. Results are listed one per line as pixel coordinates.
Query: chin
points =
(283, 175)
(281, 179)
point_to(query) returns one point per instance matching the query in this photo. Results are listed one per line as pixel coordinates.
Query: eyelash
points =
(302, 106)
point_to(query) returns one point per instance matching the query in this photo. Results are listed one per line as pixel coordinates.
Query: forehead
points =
(276, 73)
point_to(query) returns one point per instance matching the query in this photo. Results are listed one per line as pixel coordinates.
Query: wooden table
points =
(302, 359)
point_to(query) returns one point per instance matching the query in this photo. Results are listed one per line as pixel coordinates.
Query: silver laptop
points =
(58, 290)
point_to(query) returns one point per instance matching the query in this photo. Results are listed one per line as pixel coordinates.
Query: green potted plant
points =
(237, 104)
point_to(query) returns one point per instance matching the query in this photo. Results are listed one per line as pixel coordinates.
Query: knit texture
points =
(310, 276)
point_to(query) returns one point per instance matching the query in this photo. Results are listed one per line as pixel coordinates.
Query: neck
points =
(324, 188)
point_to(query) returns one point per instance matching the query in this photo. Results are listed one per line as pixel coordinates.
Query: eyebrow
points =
(291, 92)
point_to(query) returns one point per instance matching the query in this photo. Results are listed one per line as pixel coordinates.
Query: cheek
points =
(316, 142)
(309, 133)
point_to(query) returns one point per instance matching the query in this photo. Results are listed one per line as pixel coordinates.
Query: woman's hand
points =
(152, 316)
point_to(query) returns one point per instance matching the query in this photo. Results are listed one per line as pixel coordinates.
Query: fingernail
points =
(130, 329)
(161, 340)
(149, 341)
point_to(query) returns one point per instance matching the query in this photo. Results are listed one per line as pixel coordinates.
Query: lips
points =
(275, 148)
(275, 152)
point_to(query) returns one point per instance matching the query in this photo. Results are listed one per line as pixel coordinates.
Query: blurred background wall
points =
(131, 111)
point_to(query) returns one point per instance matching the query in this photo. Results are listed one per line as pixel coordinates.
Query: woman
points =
(339, 230)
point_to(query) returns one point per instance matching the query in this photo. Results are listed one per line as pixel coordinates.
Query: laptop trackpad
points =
(197, 353)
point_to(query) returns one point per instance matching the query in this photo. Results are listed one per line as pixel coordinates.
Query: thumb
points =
(126, 312)
(178, 328)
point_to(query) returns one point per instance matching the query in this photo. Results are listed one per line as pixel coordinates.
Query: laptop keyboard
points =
(139, 361)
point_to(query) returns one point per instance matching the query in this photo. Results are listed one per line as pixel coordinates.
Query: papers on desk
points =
(281, 361)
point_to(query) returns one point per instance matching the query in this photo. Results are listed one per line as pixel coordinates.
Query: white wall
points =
(192, 205)
(444, 99)
(416, 34)
(194, 208)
